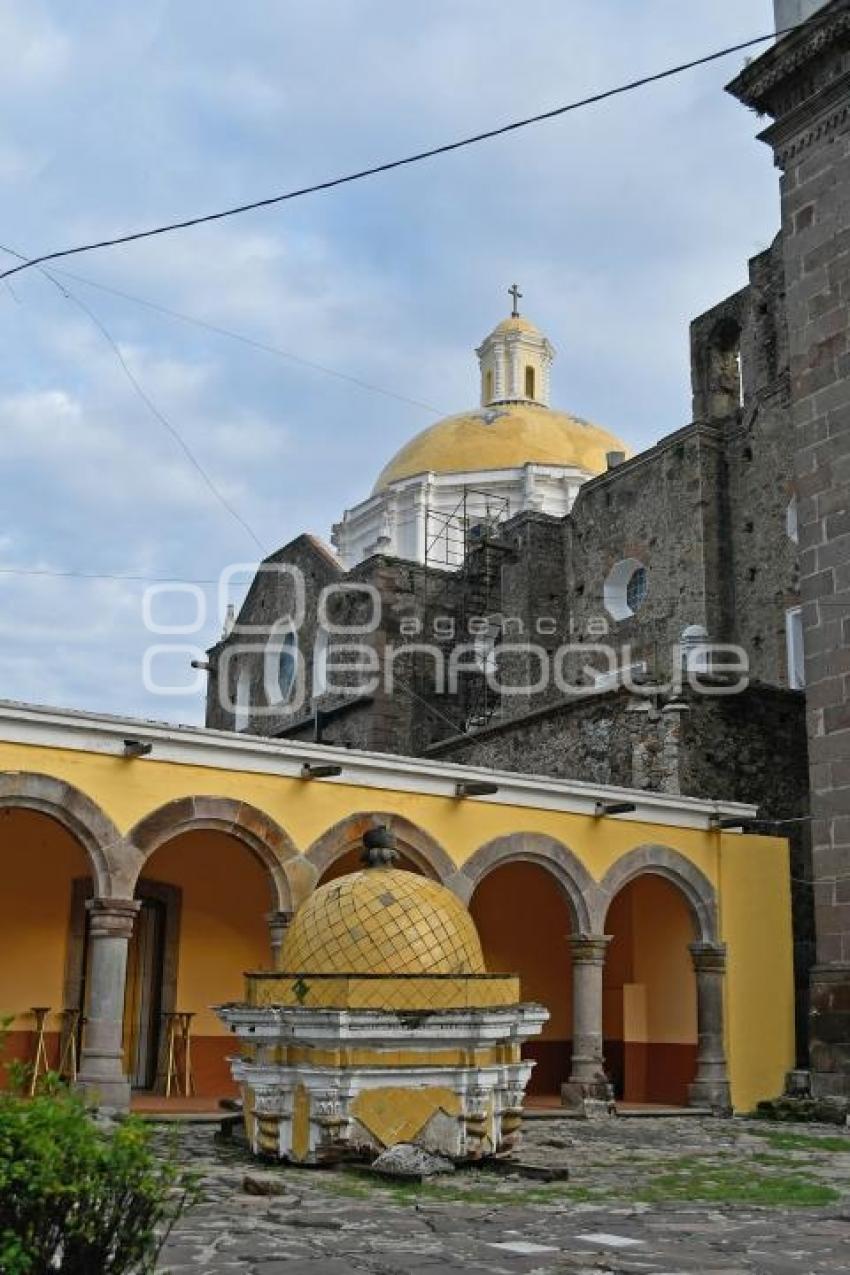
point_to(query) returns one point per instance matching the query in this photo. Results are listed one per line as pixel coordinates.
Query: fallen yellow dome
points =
(504, 436)
(386, 921)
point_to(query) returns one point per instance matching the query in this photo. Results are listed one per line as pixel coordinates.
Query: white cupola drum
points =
(515, 361)
(512, 452)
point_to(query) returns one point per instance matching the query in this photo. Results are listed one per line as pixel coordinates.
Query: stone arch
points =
(576, 883)
(416, 844)
(245, 823)
(106, 849)
(696, 888)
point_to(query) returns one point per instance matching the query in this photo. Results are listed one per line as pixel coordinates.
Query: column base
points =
(829, 1031)
(102, 1083)
(105, 1095)
(592, 1099)
(713, 1094)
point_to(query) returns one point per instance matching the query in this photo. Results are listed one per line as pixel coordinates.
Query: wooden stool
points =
(179, 1024)
(40, 1065)
(71, 1022)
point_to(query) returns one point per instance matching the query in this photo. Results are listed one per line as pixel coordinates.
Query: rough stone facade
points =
(803, 84)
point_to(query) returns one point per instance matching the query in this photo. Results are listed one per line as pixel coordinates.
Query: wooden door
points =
(143, 996)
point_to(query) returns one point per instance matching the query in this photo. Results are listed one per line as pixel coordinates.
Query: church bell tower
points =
(515, 361)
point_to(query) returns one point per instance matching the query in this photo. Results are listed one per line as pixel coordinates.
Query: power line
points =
(390, 165)
(108, 575)
(148, 402)
(249, 341)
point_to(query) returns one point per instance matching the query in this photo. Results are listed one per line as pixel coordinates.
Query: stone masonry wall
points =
(803, 83)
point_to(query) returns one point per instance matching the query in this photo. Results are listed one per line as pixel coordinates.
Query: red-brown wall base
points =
(648, 1071)
(553, 1059)
(19, 1046)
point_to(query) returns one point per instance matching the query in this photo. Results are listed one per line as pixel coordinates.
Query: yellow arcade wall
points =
(525, 925)
(38, 863)
(224, 893)
(649, 993)
(749, 873)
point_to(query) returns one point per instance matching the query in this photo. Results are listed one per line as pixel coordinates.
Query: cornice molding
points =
(72, 730)
(794, 133)
(757, 83)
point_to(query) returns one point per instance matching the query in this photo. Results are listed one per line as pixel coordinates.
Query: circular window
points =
(625, 589)
(636, 589)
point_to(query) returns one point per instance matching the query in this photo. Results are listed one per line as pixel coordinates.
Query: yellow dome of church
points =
(382, 920)
(514, 426)
(503, 436)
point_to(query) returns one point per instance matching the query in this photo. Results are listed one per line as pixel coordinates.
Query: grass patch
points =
(801, 1141)
(679, 1183)
(715, 1184)
(464, 1189)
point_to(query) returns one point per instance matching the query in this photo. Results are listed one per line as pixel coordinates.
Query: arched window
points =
(287, 665)
(529, 382)
(725, 369)
(242, 701)
(320, 663)
(488, 386)
(282, 671)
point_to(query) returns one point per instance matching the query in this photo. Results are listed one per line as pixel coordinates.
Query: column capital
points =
(589, 949)
(280, 918)
(112, 918)
(708, 957)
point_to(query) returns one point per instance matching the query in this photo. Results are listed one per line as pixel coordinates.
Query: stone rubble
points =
(405, 1161)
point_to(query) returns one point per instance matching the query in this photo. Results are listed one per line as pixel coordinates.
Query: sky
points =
(620, 223)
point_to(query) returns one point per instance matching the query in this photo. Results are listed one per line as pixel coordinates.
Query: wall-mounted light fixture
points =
(731, 821)
(475, 788)
(613, 808)
(309, 771)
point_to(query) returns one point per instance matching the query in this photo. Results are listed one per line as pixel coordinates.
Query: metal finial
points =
(379, 848)
(513, 291)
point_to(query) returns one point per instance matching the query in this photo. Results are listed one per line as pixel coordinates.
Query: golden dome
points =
(382, 920)
(504, 436)
(515, 323)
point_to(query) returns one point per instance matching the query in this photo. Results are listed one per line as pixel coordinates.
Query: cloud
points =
(34, 53)
(620, 223)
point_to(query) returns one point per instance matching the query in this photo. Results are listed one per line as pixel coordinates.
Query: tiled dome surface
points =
(382, 921)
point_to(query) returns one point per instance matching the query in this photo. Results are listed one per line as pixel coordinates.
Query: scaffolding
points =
(450, 535)
(465, 541)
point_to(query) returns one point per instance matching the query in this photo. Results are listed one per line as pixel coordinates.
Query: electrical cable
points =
(406, 161)
(148, 402)
(217, 330)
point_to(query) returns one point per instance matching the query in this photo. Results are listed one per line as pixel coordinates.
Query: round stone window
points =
(625, 590)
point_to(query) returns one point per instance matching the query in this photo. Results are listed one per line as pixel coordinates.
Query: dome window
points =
(529, 381)
(625, 589)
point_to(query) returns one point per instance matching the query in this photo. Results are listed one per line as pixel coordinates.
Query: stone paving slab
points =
(648, 1197)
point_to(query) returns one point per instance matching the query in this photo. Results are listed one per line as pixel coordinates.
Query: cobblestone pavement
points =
(643, 1195)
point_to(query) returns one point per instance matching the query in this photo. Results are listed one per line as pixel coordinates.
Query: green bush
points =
(79, 1198)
